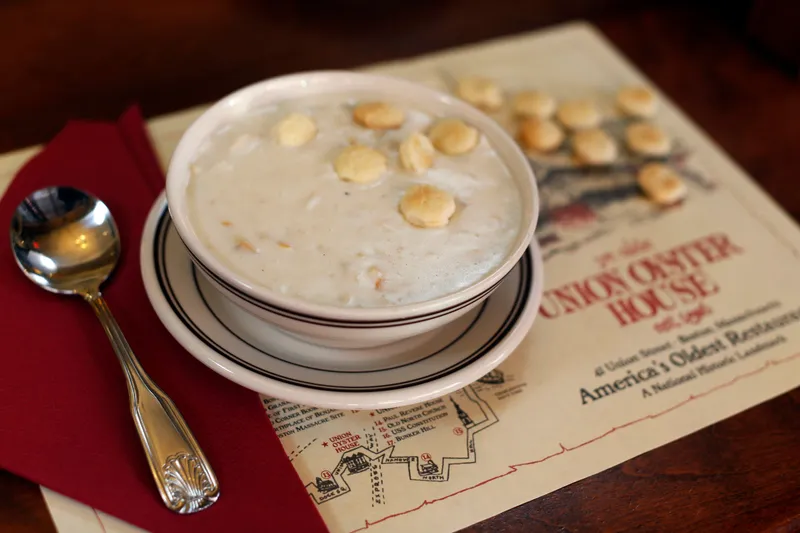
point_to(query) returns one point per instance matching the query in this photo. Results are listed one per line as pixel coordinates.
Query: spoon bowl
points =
(65, 240)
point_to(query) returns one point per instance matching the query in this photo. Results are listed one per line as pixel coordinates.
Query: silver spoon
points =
(66, 242)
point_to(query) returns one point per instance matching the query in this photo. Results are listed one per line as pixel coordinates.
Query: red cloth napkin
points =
(64, 418)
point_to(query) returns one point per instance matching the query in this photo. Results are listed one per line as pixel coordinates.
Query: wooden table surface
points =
(62, 60)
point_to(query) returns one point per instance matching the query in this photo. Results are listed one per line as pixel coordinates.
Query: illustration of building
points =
(358, 462)
(428, 468)
(462, 415)
(325, 485)
(495, 377)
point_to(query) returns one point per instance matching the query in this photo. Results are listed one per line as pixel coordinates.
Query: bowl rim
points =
(323, 314)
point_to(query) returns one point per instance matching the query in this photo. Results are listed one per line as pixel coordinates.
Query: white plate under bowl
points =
(262, 358)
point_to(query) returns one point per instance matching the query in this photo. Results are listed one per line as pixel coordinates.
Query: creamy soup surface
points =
(282, 219)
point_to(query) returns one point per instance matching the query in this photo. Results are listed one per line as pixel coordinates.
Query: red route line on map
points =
(97, 515)
(564, 449)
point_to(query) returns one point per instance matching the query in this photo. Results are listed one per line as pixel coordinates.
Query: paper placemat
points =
(655, 323)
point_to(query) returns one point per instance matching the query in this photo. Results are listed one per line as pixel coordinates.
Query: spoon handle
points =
(184, 477)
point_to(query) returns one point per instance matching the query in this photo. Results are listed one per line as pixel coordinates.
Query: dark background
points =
(731, 66)
(62, 59)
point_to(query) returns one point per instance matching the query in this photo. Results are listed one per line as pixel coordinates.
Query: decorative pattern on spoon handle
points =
(188, 485)
(184, 477)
